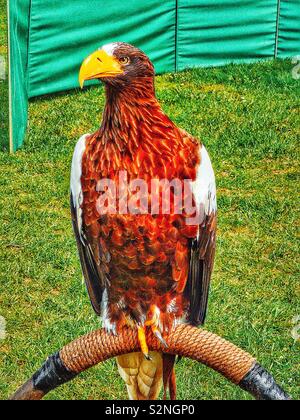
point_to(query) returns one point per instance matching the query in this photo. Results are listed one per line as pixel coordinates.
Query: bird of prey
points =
(145, 266)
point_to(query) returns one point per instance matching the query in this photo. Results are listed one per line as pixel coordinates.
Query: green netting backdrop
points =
(50, 38)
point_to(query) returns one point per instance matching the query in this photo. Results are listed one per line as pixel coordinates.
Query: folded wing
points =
(203, 248)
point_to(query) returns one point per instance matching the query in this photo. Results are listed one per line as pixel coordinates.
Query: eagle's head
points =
(116, 64)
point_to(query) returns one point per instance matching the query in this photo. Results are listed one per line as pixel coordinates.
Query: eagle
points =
(147, 258)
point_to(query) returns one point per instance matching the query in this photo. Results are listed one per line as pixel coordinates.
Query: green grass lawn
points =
(248, 117)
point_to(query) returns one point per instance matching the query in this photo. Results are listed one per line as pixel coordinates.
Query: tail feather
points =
(169, 377)
(173, 386)
(143, 378)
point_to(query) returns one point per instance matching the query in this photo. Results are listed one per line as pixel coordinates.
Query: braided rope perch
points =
(233, 363)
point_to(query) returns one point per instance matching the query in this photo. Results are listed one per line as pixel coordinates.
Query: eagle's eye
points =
(124, 60)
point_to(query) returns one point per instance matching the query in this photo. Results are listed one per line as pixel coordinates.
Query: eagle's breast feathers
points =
(137, 264)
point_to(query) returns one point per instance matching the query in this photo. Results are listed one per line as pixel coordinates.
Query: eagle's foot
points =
(153, 323)
(159, 336)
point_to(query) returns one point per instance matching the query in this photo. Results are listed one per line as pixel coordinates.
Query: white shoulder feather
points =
(204, 187)
(76, 173)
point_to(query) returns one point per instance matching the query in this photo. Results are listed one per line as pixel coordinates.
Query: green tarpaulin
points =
(289, 29)
(18, 13)
(50, 38)
(216, 32)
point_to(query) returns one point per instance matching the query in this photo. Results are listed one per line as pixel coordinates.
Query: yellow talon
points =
(143, 342)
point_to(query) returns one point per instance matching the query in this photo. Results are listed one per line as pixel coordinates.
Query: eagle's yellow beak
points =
(98, 65)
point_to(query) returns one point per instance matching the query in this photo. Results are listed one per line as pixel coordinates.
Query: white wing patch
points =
(110, 327)
(204, 188)
(76, 174)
